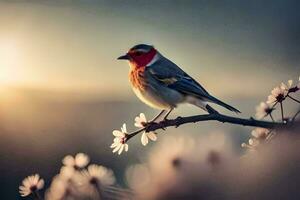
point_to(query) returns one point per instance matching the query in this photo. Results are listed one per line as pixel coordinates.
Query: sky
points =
(73, 45)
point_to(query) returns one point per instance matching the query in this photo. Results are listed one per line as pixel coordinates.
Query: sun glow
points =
(9, 60)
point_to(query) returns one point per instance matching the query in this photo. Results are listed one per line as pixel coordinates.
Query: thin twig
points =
(134, 133)
(274, 105)
(271, 116)
(281, 108)
(293, 98)
(206, 117)
(295, 116)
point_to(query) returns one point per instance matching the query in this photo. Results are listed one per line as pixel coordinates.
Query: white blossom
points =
(287, 86)
(278, 94)
(99, 174)
(31, 184)
(79, 161)
(67, 172)
(140, 122)
(119, 142)
(259, 135)
(262, 110)
(146, 136)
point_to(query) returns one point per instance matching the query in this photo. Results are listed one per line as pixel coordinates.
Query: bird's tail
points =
(221, 103)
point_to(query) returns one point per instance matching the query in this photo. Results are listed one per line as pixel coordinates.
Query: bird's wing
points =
(173, 77)
(170, 75)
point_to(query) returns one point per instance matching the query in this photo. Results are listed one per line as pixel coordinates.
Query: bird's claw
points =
(178, 118)
(149, 124)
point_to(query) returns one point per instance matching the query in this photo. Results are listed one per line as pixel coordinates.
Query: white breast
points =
(152, 99)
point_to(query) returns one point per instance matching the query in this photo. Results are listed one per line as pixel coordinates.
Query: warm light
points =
(9, 58)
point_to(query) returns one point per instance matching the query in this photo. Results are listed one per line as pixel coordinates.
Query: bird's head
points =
(140, 55)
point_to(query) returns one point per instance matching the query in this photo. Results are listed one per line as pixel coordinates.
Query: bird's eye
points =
(138, 53)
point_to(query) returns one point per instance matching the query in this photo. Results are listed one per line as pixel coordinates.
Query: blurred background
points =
(62, 91)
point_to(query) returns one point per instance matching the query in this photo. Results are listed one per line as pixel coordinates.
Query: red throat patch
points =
(143, 59)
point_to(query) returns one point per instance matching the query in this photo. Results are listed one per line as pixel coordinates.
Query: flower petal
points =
(126, 147)
(113, 145)
(117, 148)
(138, 125)
(290, 82)
(121, 149)
(40, 184)
(283, 86)
(137, 119)
(81, 160)
(68, 160)
(123, 128)
(143, 117)
(152, 136)
(140, 120)
(144, 139)
(118, 133)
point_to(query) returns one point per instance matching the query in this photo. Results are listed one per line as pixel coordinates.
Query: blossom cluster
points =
(209, 168)
(278, 95)
(119, 143)
(76, 180)
(259, 136)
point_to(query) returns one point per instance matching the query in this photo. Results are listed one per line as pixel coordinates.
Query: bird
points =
(161, 84)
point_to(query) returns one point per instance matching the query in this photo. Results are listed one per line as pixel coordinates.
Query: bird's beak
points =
(124, 57)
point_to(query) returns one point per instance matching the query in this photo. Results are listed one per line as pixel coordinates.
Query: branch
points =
(293, 98)
(295, 116)
(207, 117)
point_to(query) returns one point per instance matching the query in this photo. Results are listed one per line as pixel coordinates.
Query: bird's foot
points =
(166, 116)
(210, 110)
(148, 125)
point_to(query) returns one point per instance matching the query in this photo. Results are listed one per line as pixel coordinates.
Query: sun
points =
(9, 60)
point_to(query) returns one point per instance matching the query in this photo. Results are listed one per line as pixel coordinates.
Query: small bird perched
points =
(161, 84)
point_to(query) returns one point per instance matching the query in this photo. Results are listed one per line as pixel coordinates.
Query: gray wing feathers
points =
(164, 69)
(175, 78)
